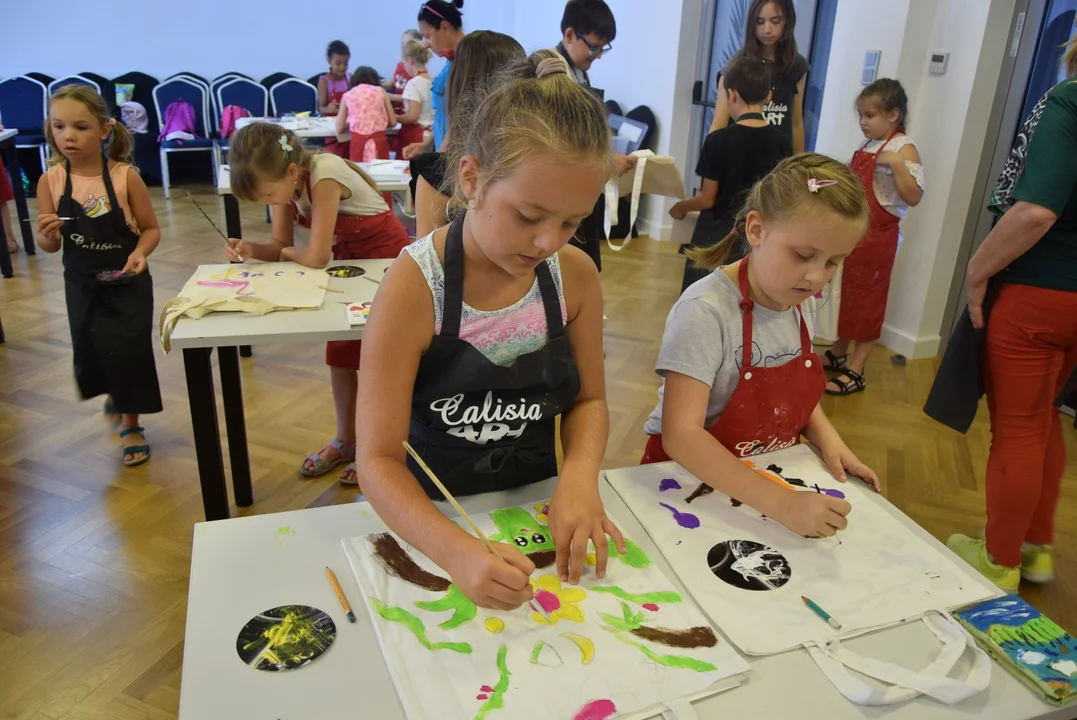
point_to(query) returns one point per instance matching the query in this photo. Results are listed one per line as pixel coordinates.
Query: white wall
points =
(210, 37)
(948, 121)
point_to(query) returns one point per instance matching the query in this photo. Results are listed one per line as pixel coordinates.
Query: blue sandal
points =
(345, 453)
(129, 451)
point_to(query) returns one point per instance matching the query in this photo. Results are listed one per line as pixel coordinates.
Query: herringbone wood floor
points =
(94, 558)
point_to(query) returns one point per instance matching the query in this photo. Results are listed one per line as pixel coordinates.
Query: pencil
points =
(821, 613)
(474, 528)
(340, 594)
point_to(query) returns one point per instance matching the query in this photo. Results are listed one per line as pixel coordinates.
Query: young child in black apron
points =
(485, 331)
(94, 206)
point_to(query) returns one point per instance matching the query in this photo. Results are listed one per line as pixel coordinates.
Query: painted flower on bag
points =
(558, 602)
(542, 512)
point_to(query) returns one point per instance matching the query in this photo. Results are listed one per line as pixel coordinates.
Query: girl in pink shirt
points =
(365, 111)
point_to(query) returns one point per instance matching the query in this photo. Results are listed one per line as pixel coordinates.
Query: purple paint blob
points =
(685, 520)
(668, 484)
(831, 493)
(597, 710)
(650, 606)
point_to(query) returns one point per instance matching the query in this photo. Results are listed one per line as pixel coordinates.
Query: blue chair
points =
(292, 96)
(147, 152)
(182, 88)
(24, 106)
(72, 80)
(245, 93)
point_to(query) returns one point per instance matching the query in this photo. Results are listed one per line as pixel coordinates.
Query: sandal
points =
(112, 414)
(345, 453)
(835, 363)
(854, 384)
(345, 479)
(128, 452)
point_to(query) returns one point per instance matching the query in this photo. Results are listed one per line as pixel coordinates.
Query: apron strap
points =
(749, 116)
(119, 221)
(746, 306)
(454, 278)
(551, 302)
(67, 180)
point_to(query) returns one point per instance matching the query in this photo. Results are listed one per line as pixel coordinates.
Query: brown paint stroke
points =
(398, 563)
(543, 558)
(699, 636)
(703, 489)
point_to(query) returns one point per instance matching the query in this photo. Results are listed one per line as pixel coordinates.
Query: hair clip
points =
(814, 185)
(284, 143)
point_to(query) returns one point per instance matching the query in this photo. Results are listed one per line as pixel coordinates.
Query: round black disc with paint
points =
(749, 565)
(285, 638)
(345, 271)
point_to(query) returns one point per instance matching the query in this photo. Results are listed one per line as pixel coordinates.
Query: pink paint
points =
(547, 600)
(597, 710)
(486, 689)
(650, 606)
(482, 697)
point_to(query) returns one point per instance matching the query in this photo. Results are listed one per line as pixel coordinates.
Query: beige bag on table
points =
(654, 175)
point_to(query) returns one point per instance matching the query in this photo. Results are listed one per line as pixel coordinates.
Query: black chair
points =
(147, 151)
(41, 78)
(270, 80)
(108, 89)
(313, 79)
(644, 116)
(199, 78)
(613, 108)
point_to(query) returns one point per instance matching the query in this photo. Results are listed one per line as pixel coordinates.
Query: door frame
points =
(1026, 25)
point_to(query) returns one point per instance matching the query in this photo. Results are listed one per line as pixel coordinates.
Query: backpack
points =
(229, 117)
(179, 122)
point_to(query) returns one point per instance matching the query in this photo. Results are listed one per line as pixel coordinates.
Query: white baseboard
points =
(656, 230)
(911, 347)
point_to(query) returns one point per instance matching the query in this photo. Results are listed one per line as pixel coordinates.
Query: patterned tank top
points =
(500, 335)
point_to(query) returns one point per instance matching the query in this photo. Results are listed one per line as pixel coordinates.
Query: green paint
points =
(518, 527)
(463, 610)
(497, 697)
(282, 532)
(402, 616)
(536, 651)
(628, 622)
(681, 662)
(633, 557)
(496, 537)
(654, 598)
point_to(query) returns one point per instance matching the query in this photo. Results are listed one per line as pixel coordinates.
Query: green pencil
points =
(821, 613)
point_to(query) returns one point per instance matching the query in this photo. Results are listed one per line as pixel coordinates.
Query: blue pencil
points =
(821, 613)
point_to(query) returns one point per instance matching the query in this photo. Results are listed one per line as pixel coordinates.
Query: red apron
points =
(359, 145)
(770, 406)
(332, 145)
(865, 277)
(358, 238)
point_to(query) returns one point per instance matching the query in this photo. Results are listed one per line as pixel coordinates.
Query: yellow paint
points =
(587, 648)
(567, 599)
(591, 559)
(495, 625)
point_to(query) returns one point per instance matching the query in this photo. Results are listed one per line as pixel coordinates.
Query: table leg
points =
(11, 159)
(235, 230)
(232, 390)
(2, 338)
(6, 268)
(207, 440)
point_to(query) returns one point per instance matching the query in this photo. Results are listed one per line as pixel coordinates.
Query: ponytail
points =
(710, 258)
(119, 145)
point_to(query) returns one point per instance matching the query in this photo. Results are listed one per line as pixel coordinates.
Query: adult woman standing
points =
(1031, 338)
(769, 36)
(442, 27)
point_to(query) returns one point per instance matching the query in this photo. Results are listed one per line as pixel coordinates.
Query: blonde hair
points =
(417, 53)
(118, 146)
(1069, 59)
(258, 151)
(539, 110)
(784, 191)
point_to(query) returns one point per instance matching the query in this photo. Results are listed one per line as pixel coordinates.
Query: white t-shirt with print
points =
(885, 189)
(418, 90)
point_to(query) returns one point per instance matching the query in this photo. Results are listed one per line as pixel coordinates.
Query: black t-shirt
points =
(431, 167)
(736, 157)
(779, 111)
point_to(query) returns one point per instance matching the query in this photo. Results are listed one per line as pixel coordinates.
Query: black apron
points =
(483, 427)
(111, 323)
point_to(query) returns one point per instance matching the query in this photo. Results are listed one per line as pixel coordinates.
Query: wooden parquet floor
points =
(94, 558)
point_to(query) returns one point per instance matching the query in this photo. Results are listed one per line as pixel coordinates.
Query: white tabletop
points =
(307, 326)
(243, 566)
(308, 127)
(390, 176)
(5, 134)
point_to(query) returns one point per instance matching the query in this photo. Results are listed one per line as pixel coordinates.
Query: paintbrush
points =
(210, 221)
(474, 528)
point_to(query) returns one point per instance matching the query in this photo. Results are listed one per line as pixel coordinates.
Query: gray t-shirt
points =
(704, 340)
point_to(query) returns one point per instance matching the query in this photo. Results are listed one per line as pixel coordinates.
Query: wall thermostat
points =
(938, 63)
(871, 67)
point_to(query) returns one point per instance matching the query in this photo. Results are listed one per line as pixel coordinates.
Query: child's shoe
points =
(1037, 563)
(974, 552)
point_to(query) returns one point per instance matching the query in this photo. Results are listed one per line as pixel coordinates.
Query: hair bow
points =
(288, 148)
(814, 185)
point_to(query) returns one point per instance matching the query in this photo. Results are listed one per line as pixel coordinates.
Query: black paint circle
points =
(749, 565)
(285, 638)
(345, 271)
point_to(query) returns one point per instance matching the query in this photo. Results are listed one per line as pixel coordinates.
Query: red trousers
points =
(1030, 353)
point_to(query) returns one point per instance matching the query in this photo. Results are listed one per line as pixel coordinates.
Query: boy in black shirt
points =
(732, 160)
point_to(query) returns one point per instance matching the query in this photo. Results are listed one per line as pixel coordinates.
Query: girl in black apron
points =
(109, 291)
(478, 397)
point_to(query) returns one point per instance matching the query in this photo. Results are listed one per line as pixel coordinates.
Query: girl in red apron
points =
(366, 113)
(889, 169)
(331, 89)
(348, 220)
(418, 115)
(740, 375)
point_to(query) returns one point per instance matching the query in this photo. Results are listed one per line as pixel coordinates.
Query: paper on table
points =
(254, 288)
(654, 175)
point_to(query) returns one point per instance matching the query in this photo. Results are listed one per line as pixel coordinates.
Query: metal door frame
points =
(1026, 25)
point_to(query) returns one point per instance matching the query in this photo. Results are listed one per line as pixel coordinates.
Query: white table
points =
(244, 566)
(308, 127)
(226, 331)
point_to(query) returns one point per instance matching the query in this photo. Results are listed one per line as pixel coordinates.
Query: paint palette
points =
(612, 647)
(285, 638)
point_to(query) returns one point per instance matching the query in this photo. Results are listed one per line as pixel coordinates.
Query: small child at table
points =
(333, 85)
(396, 84)
(418, 116)
(366, 112)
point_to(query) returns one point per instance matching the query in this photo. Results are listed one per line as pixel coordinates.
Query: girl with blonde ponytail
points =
(739, 373)
(487, 330)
